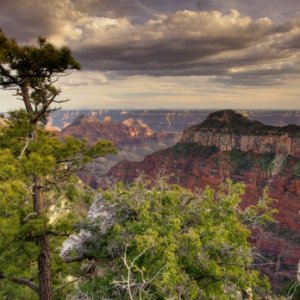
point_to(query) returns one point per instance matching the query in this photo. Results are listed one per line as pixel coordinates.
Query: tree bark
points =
(44, 262)
(26, 98)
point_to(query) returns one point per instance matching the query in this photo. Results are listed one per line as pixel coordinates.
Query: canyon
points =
(224, 145)
(132, 138)
(170, 120)
(230, 145)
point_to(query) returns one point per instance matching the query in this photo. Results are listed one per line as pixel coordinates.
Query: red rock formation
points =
(228, 131)
(207, 158)
(92, 130)
(133, 139)
(281, 242)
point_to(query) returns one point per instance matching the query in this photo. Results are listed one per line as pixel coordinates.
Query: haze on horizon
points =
(151, 54)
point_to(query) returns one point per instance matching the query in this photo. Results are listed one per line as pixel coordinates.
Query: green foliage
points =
(265, 160)
(32, 70)
(262, 213)
(35, 61)
(193, 149)
(171, 243)
(241, 161)
(22, 158)
(37, 171)
(296, 169)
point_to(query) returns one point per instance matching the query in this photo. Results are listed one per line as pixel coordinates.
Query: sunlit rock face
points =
(132, 138)
(101, 217)
(228, 131)
(207, 154)
(90, 128)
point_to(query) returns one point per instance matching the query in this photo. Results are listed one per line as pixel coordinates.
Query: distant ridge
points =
(84, 119)
(229, 121)
(228, 130)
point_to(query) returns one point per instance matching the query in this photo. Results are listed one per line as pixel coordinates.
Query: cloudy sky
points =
(168, 53)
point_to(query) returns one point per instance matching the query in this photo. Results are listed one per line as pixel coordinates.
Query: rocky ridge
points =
(132, 137)
(229, 131)
(90, 128)
(258, 155)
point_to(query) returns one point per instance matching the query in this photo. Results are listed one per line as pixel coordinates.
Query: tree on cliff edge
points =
(36, 167)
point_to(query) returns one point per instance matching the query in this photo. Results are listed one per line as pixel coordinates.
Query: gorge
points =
(229, 145)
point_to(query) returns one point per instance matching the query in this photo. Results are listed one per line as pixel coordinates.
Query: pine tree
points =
(37, 168)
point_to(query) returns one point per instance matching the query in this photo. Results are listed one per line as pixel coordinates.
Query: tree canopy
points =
(38, 186)
(170, 243)
(32, 70)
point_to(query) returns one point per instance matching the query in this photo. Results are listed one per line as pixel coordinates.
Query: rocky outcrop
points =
(230, 145)
(171, 120)
(194, 166)
(91, 129)
(133, 139)
(101, 217)
(229, 131)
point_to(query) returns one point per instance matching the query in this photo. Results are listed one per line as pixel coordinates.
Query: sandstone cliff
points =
(194, 167)
(92, 129)
(133, 139)
(260, 156)
(228, 131)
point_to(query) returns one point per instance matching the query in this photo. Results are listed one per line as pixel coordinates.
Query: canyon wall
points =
(228, 130)
(228, 145)
(227, 142)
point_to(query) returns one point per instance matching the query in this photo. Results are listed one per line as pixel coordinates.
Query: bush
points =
(170, 243)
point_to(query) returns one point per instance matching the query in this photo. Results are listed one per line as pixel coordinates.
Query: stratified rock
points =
(91, 129)
(228, 130)
(229, 145)
(133, 139)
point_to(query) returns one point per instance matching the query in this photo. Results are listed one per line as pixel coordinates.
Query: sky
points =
(167, 54)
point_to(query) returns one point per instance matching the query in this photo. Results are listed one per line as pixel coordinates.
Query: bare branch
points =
(129, 282)
(24, 148)
(29, 216)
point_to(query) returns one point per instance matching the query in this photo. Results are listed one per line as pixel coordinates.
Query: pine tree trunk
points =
(44, 269)
(25, 94)
(44, 263)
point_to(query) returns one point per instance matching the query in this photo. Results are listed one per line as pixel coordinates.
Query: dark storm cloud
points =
(256, 78)
(195, 43)
(24, 20)
(160, 38)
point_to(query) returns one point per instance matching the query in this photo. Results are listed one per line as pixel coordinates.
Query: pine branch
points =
(6, 74)
(20, 281)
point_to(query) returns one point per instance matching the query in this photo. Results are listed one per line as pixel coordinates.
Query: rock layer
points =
(248, 151)
(229, 131)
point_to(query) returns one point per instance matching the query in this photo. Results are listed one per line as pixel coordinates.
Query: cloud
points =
(24, 20)
(188, 43)
(277, 10)
(86, 78)
(169, 41)
(143, 37)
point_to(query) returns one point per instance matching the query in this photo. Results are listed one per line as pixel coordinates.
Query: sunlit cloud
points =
(188, 53)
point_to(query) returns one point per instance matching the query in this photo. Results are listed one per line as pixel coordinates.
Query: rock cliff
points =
(260, 156)
(132, 137)
(90, 128)
(194, 167)
(228, 131)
